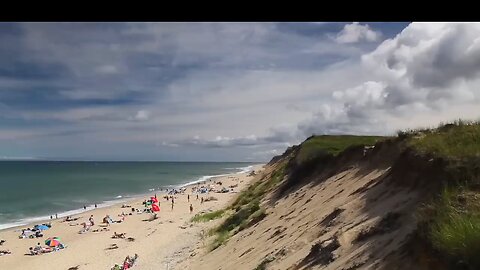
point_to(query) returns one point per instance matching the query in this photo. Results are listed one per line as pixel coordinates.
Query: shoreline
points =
(153, 241)
(108, 203)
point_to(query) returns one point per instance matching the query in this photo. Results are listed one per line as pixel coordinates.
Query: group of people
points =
(87, 225)
(38, 249)
(36, 232)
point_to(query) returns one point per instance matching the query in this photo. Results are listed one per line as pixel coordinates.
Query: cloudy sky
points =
(224, 91)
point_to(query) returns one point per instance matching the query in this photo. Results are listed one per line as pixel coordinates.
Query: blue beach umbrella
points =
(41, 227)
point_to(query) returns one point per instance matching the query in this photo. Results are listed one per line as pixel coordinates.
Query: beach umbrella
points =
(42, 227)
(52, 241)
(155, 208)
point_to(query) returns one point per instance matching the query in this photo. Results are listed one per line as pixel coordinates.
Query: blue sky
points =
(223, 91)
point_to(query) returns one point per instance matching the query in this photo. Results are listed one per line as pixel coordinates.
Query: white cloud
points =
(355, 32)
(426, 73)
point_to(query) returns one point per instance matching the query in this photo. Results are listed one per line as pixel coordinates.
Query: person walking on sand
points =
(188, 197)
(201, 202)
(191, 208)
(172, 205)
(91, 220)
(197, 197)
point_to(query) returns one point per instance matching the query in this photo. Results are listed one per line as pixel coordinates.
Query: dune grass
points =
(257, 190)
(451, 222)
(208, 216)
(458, 140)
(246, 208)
(332, 144)
(454, 225)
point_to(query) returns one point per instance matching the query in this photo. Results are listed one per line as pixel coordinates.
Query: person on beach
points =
(51, 217)
(84, 207)
(91, 220)
(95, 205)
(37, 249)
(172, 204)
(56, 216)
(201, 202)
(191, 208)
(197, 197)
(188, 197)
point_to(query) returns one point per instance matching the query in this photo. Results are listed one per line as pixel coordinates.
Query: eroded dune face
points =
(358, 213)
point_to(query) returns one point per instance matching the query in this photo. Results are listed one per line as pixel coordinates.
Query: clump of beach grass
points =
(208, 216)
(453, 225)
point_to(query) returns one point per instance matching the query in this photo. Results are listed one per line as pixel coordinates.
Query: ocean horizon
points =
(33, 190)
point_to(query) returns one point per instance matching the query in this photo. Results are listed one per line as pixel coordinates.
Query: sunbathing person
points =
(47, 249)
(131, 261)
(5, 252)
(86, 227)
(118, 235)
(32, 251)
(69, 218)
(37, 249)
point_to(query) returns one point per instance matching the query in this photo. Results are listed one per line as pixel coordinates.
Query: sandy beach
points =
(160, 243)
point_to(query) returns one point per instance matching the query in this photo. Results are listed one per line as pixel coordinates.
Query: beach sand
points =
(160, 243)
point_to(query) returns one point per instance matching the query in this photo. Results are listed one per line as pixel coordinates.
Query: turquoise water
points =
(33, 190)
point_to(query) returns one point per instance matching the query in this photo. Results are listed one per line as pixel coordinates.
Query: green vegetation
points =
(247, 209)
(453, 226)
(451, 222)
(257, 190)
(208, 216)
(458, 140)
(332, 145)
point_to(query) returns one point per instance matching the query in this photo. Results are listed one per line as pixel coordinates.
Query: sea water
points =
(34, 190)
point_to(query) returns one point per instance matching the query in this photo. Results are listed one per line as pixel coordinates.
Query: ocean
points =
(33, 190)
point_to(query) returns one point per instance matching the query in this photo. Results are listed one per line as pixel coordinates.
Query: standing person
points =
(191, 208)
(56, 216)
(51, 217)
(84, 207)
(95, 205)
(197, 197)
(172, 204)
(188, 197)
(91, 220)
(201, 202)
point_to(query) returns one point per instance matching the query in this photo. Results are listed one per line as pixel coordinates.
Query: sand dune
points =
(354, 215)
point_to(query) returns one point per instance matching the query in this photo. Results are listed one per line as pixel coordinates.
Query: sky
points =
(225, 91)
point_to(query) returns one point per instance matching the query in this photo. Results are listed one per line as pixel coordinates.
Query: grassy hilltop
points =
(448, 223)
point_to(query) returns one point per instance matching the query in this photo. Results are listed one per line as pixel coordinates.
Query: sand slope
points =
(357, 214)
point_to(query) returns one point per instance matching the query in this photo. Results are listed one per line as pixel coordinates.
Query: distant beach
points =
(156, 242)
(34, 190)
